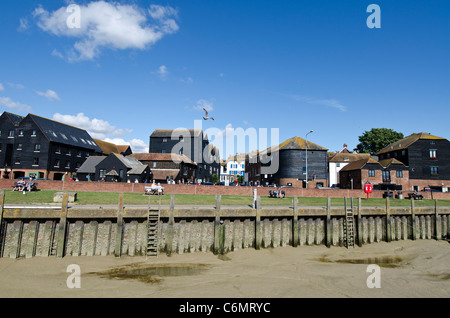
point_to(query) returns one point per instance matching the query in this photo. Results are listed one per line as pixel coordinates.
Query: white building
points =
(339, 160)
(232, 168)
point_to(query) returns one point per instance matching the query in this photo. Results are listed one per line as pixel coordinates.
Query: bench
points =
(153, 191)
(415, 196)
(276, 194)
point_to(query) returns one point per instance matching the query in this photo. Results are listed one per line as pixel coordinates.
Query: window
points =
(434, 171)
(35, 161)
(17, 161)
(399, 174)
(1, 147)
(163, 151)
(403, 153)
(102, 173)
(371, 173)
(69, 152)
(19, 147)
(67, 164)
(21, 132)
(74, 139)
(11, 133)
(121, 174)
(164, 139)
(386, 175)
(57, 149)
(78, 165)
(78, 153)
(338, 164)
(0, 133)
(432, 142)
(64, 136)
(57, 163)
(433, 154)
(37, 147)
(154, 164)
(33, 133)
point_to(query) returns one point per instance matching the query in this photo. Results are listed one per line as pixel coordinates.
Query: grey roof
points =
(16, 119)
(89, 164)
(168, 132)
(65, 134)
(135, 166)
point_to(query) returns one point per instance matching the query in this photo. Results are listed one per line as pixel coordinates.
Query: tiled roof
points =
(407, 141)
(392, 161)
(295, 143)
(16, 119)
(109, 148)
(162, 157)
(359, 164)
(162, 174)
(348, 157)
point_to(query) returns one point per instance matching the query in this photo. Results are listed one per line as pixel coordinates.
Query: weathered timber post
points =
(413, 221)
(437, 223)
(295, 239)
(170, 225)
(2, 232)
(388, 221)
(62, 228)
(258, 234)
(218, 237)
(360, 226)
(119, 232)
(328, 223)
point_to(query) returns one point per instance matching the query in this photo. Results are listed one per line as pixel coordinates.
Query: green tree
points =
(376, 139)
(215, 178)
(240, 179)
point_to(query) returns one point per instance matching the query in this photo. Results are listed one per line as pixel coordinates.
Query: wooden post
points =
(413, 221)
(119, 233)
(62, 228)
(218, 241)
(2, 233)
(170, 225)
(360, 229)
(328, 222)
(388, 221)
(258, 234)
(295, 239)
(437, 225)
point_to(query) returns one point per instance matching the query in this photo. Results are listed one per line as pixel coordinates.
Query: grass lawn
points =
(109, 198)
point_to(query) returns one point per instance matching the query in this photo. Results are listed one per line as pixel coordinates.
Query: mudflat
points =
(406, 269)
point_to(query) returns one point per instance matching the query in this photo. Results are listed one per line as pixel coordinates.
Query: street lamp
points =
(306, 162)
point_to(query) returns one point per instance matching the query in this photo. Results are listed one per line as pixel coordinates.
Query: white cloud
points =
(97, 128)
(16, 86)
(203, 103)
(109, 25)
(49, 94)
(324, 102)
(162, 72)
(23, 25)
(7, 102)
(1, 87)
(137, 145)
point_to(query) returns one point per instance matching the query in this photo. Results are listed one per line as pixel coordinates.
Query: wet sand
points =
(408, 269)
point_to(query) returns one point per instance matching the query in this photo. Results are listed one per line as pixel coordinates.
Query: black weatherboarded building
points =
(42, 148)
(192, 143)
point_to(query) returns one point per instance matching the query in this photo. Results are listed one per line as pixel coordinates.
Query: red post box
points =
(368, 189)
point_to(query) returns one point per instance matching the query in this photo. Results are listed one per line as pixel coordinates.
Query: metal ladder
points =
(349, 233)
(153, 217)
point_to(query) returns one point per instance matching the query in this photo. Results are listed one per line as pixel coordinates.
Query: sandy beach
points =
(407, 269)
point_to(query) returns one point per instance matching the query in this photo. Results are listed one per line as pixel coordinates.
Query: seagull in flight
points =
(206, 115)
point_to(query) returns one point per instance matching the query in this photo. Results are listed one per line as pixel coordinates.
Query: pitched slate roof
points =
(408, 141)
(89, 164)
(65, 134)
(168, 132)
(135, 166)
(15, 119)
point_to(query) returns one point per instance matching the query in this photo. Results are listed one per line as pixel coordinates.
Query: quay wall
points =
(207, 189)
(75, 231)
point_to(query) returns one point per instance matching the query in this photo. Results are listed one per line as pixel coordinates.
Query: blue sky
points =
(136, 66)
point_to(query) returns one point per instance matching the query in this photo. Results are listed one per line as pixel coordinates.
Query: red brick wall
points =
(202, 189)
